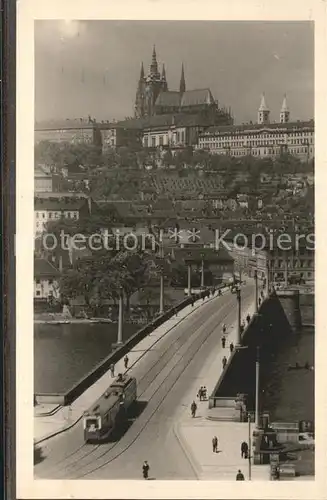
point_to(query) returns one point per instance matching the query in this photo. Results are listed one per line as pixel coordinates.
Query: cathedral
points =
(154, 98)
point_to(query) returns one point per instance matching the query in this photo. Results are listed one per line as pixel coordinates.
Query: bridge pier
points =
(290, 301)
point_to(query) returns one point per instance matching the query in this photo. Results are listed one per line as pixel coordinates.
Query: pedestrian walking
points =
(224, 329)
(215, 444)
(200, 393)
(248, 318)
(126, 361)
(244, 450)
(204, 393)
(112, 370)
(231, 347)
(193, 409)
(223, 341)
(145, 469)
(239, 476)
(224, 361)
(259, 301)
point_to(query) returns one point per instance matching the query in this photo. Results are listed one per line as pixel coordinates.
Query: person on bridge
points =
(239, 476)
(231, 347)
(112, 370)
(248, 319)
(145, 469)
(126, 361)
(215, 444)
(224, 361)
(223, 341)
(193, 409)
(244, 449)
(219, 293)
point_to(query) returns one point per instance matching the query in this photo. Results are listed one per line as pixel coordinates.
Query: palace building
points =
(262, 139)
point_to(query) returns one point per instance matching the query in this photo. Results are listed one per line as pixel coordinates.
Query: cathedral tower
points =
(263, 112)
(284, 116)
(182, 85)
(140, 95)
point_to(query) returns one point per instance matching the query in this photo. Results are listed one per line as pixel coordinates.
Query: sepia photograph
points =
(174, 250)
(172, 214)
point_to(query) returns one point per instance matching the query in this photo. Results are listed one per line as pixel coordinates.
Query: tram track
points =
(187, 351)
(142, 385)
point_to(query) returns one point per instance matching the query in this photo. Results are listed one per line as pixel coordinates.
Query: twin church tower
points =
(264, 112)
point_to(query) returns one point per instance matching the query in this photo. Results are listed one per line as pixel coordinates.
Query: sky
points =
(92, 67)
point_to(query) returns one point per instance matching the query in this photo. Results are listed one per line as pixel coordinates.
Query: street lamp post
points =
(250, 446)
(189, 280)
(238, 296)
(257, 375)
(120, 318)
(256, 290)
(162, 281)
(268, 277)
(202, 273)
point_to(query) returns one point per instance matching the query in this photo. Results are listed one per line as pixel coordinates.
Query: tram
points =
(110, 410)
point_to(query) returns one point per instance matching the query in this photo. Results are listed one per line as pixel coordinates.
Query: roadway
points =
(164, 378)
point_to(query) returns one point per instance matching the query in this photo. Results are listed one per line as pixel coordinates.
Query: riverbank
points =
(82, 321)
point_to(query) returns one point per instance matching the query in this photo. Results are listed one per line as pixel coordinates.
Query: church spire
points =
(163, 79)
(182, 85)
(142, 72)
(263, 111)
(154, 64)
(284, 115)
(163, 75)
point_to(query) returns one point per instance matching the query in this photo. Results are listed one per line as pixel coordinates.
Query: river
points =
(63, 354)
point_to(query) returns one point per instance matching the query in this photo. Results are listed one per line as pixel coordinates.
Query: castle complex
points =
(189, 118)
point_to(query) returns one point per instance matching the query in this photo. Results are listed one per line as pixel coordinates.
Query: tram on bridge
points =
(110, 410)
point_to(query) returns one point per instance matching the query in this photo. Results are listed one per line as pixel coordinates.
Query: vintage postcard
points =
(169, 337)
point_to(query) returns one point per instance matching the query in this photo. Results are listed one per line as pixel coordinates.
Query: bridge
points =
(170, 366)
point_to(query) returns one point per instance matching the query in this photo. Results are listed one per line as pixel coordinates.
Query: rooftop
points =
(249, 127)
(44, 268)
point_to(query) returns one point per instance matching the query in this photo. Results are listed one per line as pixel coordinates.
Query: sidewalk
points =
(195, 434)
(50, 420)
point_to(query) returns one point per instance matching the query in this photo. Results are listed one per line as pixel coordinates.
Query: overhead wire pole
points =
(256, 290)
(238, 296)
(162, 278)
(250, 446)
(120, 318)
(189, 279)
(257, 385)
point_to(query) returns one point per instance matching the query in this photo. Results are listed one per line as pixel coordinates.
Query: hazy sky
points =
(92, 67)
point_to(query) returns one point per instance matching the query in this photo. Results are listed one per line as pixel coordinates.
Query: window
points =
(153, 142)
(37, 215)
(160, 140)
(50, 215)
(38, 293)
(50, 282)
(38, 282)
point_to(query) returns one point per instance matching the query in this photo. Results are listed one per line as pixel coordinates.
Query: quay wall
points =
(277, 320)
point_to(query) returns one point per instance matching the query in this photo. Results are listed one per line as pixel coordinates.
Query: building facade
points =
(43, 181)
(46, 278)
(53, 208)
(263, 139)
